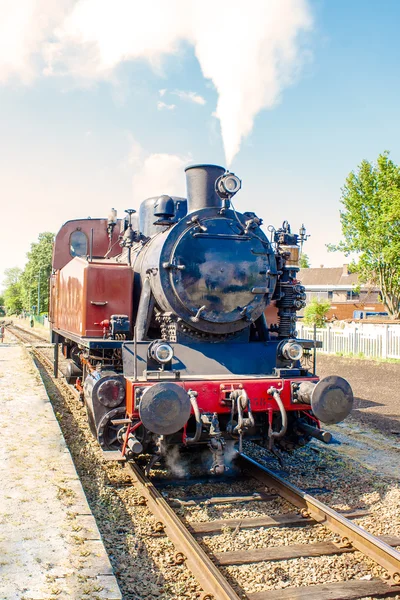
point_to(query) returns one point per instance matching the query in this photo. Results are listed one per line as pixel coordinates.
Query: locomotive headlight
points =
(161, 352)
(292, 351)
(232, 184)
(164, 353)
(228, 185)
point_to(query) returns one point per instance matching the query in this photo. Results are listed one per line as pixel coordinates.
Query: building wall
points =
(343, 296)
(339, 311)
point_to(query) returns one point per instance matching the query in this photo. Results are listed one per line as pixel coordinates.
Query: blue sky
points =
(74, 144)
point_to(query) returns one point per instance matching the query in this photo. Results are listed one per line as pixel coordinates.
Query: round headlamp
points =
(292, 351)
(228, 185)
(161, 352)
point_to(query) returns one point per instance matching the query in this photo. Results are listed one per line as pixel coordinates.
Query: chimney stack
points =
(345, 270)
(200, 183)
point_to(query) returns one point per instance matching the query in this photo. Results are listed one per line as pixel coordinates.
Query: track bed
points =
(256, 541)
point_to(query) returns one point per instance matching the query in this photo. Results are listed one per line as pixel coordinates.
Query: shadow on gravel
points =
(389, 424)
(363, 403)
(375, 387)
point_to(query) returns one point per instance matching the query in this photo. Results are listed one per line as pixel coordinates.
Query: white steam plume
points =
(250, 49)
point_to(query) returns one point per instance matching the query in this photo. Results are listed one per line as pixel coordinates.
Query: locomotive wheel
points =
(108, 434)
(72, 372)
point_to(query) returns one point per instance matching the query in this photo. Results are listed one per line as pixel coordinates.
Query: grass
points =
(362, 356)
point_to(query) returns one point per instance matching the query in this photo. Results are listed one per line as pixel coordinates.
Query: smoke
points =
(249, 49)
(176, 463)
(231, 452)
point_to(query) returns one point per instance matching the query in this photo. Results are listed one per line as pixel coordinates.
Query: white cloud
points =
(15, 49)
(157, 174)
(25, 26)
(162, 92)
(96, 36)
(164, 106)
(190, 96)
(136, 154)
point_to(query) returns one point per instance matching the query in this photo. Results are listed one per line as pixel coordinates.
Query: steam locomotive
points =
(179, 327)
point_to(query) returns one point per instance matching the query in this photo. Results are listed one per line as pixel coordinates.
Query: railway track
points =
(25, 335)
(353, 538)
(38, 345)
(307, 512)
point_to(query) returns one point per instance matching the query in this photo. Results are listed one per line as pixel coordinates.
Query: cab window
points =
(78, 244)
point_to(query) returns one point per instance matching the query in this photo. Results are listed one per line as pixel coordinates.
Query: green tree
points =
(37, 272)
(12, 290)
(371, 226)
(315, 312)
(304, 261)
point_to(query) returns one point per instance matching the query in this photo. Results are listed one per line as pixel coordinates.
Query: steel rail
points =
(28, 333)
(211, 580)
(352, 534)
(214, 585)
(45, 360)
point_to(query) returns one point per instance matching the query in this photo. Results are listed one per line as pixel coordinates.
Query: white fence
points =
(374, 341)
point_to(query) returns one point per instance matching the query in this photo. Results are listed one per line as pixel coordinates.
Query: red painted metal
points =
(271, 314)
(61, 250)
(131, 428)
(86, 293)
(212, 394)
(130, 397)
(128, 430)
(315, 420)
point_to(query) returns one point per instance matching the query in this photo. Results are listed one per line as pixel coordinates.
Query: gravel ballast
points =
(142, 559)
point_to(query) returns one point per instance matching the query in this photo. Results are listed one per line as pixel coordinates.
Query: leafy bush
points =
(315, 312)
(304, 261)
